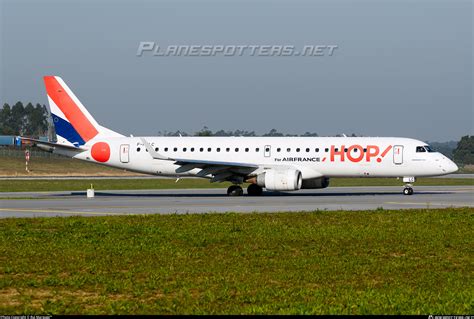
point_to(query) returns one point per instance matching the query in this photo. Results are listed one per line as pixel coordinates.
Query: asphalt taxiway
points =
(31, 204)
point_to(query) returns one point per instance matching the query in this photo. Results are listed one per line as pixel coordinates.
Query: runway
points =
(181, 201)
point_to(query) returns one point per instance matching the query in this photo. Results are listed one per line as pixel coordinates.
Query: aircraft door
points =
(397, 154)
(267, 151)
(124, 153)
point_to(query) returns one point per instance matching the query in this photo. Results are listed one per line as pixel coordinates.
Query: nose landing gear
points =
(408, 190)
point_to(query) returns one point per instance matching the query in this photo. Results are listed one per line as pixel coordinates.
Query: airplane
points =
(273, 163)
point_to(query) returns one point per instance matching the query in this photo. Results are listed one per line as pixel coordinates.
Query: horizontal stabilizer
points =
(54, 145)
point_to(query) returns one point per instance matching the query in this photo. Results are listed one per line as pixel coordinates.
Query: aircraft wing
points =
(220, 170)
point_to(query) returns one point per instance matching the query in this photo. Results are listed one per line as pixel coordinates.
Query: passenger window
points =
(175, 149)
(288, 149)
(257, 150)
(201, 149)
(192, 149)
(184, 149)
(326, 149)
(345, 150)
(218, 149)
(365, 150)
(420, 149)
(278, 149)
(209, 149)
(317, 150)
(138, 149)
(246, 149)
(236, 149)
(307, 150)
(227, 149)
(297, 149)
(156, 149)
(166, 149)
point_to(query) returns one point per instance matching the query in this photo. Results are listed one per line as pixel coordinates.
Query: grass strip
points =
(417, 261)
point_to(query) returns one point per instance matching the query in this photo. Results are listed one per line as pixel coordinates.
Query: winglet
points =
(152, 152)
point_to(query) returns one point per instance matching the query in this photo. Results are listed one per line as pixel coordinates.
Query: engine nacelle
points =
(280, 179)
(320, 182)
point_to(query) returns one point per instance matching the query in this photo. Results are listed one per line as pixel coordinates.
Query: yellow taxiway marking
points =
(429, 204)
(53, 211)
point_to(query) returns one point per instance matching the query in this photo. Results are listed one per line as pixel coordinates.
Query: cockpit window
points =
(420, 149)
(429, 149)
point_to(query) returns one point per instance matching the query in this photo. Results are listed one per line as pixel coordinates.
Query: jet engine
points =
(280, 179)
(320, 182)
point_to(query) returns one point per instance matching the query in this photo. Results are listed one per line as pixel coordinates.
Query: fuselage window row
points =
(227, 149)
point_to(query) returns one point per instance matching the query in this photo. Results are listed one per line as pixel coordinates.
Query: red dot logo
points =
(100, 152)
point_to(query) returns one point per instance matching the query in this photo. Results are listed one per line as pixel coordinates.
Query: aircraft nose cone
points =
(451, 167)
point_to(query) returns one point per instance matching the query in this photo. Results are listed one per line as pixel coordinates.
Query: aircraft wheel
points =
(408, 191)
(235, 190)
(254, 190)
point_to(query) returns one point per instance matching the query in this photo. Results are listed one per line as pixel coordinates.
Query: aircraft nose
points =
(451, 167)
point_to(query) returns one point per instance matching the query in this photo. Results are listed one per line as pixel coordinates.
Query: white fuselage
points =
(313, 156)
(273, 163)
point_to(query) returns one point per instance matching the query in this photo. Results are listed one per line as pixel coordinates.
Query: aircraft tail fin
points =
(74, 125)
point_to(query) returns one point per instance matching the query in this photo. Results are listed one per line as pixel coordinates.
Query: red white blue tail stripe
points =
(73, 123)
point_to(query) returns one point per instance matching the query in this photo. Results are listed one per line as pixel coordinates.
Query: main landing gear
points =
(235, 190)
(252, 190)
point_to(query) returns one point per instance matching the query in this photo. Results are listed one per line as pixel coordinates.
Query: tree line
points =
(464, 152)
(34, 121)
(205, 131)
(23, 120)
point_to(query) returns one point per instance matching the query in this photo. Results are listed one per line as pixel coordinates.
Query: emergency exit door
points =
(124, 153)
(398, 154)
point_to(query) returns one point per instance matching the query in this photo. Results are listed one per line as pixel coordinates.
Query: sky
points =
(401, 68)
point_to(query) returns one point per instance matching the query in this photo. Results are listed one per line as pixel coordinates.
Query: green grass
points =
(117, 184)
(364, 262)
(58, 166)
(104, 184)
